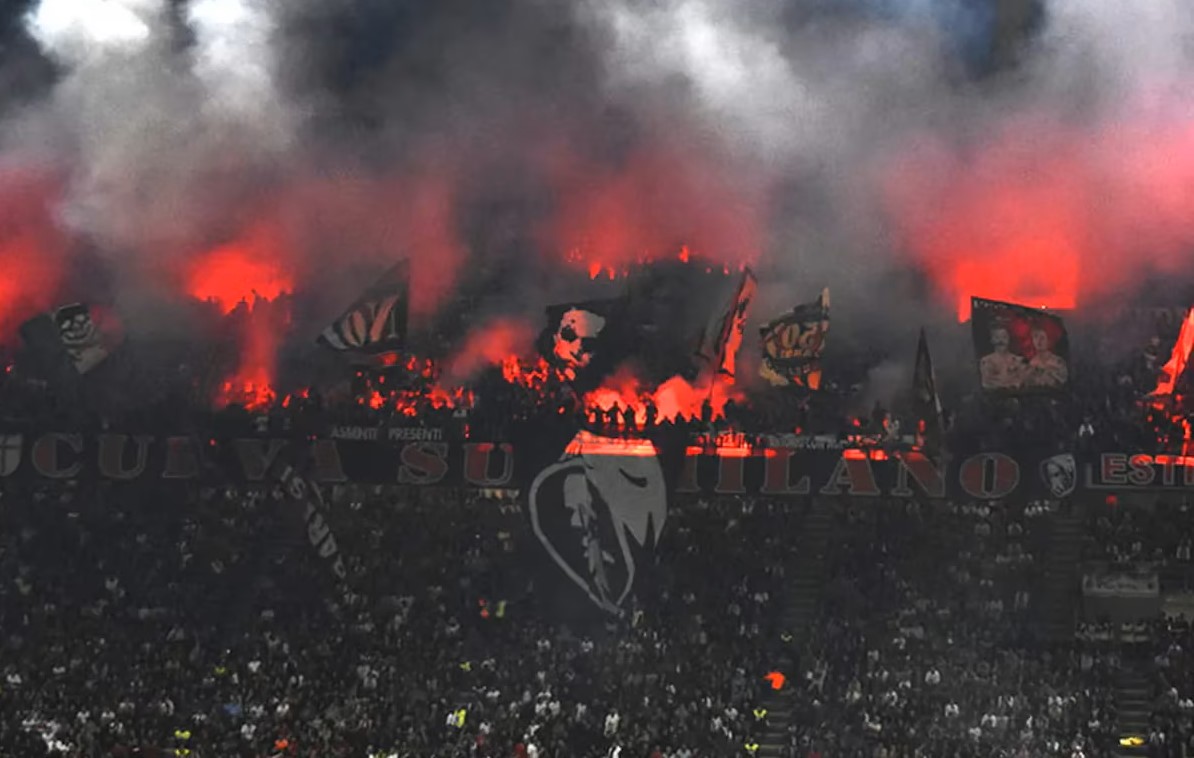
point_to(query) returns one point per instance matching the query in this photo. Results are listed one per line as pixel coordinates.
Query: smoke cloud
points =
(853, 145)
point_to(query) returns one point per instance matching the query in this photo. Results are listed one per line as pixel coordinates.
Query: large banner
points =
(794, 470)
(777, 472)
(1019, 349)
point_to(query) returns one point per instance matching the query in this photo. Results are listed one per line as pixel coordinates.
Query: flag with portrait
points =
(792, 345)
(1019, 349)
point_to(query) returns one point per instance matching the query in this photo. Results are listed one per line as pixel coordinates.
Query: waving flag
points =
(722, 337)
(376, 322)
(793, 343)
(1178, 359)
(924, 389)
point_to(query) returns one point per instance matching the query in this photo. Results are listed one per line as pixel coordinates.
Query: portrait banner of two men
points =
(1019, 349)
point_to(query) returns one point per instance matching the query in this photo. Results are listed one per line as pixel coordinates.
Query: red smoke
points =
(1049, 212)
(241, 271)
(1007, 223)
(654, 202)
(32, 248)
(259, 328)
(246, 279)
(673, 399)
(496, 343)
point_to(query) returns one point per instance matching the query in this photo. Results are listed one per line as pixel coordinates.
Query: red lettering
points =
(1140, 470)
(182, 460)
(855, 474)
(928, 476)
(1112, 467)
(45, 452)
(423, 463)
(255, 459)
(777, 475)
(729, 475)
(989, 476)
(477, 464)
(1168, 469)
(112, 458)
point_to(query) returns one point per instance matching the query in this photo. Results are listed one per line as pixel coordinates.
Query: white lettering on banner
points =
(805, 442)
(354, 433)
(415, 434)
(394, 434)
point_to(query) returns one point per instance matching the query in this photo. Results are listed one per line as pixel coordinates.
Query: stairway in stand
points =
(1059, 591)
(1132, 702)
(799, 611)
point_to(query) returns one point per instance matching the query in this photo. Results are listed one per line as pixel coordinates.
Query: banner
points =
(390, 434)
(1175, 367)
(306, 495)
(1139, 471)
(924, 391)
(1121, 584)
(736, 469)
(793, 343)
(68, 331)
(585, 340)
(1019, 349)
(722, 337)
(376, 322)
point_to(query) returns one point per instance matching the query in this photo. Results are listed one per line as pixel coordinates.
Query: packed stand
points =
(1158, 537)
(201, 622)
(925, 643)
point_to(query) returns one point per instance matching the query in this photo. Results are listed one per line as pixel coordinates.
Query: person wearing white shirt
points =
(611, 723)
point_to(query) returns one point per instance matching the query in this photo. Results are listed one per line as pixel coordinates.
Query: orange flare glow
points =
(237, 273)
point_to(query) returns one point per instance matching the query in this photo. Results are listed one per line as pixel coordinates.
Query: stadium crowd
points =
(201, 623)
(925, 645)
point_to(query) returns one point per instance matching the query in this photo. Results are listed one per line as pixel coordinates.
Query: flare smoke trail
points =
(841, 144)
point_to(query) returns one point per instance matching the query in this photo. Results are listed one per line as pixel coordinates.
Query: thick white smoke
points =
(175, 122)
(159, 139)
(75, 31)
(235, 59)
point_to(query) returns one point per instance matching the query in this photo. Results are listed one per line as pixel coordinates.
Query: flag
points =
(721, 338)
(376, 322)
(598, 507)
(68, 332)
(1019, 349)
(585, 340)
(924, 388)
(81, 337)
(1176, 366)
(792, 345)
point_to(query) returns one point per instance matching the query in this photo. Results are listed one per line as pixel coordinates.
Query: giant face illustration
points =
(573, 341)
(590, 506)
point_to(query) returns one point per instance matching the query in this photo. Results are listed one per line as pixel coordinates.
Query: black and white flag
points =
(376, 322)
(596, 508)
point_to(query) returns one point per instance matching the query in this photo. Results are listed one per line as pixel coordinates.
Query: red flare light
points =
(494, 344)
(1008, 223)
(32, 249)
(238, 273)
(675, 398)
